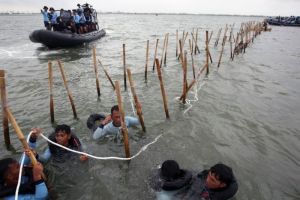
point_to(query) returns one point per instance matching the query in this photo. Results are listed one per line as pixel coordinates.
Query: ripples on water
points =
(247, 115)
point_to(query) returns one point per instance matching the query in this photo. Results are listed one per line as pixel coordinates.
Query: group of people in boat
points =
(169, 181)
(80, 20)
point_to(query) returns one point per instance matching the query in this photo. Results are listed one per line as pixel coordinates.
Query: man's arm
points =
(131, 121)
(103, 130)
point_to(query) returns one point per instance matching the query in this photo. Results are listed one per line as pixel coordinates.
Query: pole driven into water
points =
(147, 59)
(207, 52)
(153, 69)
(4, 111)
(51, 91)
(124, 67)
(123, 125)
(221, 53)
(67, 88)
(96, 71)
(163, 93)
(136, 100)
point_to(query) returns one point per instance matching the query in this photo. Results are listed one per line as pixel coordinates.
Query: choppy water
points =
(247, 115)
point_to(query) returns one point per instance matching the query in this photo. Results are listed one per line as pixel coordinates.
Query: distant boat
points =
(54, 39)
(284, 21)
(65, 35)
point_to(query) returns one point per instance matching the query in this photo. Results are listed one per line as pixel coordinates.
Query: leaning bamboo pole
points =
(153, 68)
(210, 37)
(221, 53)
(4, 112)
(163, 93)
(207, 52)
(51, 91)
(147, 59)
(136, 100)
(196, 45)
(96, 72)
(123, 125)
(218, 37)
(176, 43)
(184, 79)
(163, 50)
(67, 88)
(124, 67)
(107, 75)
(20, 135)
(192, 57)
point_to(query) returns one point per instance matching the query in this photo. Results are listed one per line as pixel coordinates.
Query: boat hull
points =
(54, 39)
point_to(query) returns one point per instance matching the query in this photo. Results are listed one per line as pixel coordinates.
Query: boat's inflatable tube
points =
(54, 39)
(91, 121)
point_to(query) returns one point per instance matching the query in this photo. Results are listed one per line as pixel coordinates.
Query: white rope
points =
(104, 158)
(20, 171)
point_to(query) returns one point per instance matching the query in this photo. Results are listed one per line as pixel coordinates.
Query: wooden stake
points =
(107, 75)
(96, 72)
(124, 67)
(218, 37)
(123, 125)
(207, 52)
(51, 91)
(176, 43)
(165, 60)
(147, 58)
(162, 89)
(136, 100)
(223, 44)
(184, 79)
(153, 69)
(4, 112)
(210, 37)
(163, 50)
(66, 86)
(196, 44)
(20, 135)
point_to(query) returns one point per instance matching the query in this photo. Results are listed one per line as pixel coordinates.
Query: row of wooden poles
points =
(248, 31)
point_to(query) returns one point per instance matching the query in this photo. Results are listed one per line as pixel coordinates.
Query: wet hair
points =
(64, 128)
(114, 108)
(170, 170)
(4, 163)
(223, 173)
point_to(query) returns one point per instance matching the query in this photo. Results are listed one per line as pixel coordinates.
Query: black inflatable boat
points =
(54, 39)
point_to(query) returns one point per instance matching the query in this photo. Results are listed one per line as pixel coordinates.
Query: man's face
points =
(12, 176)
(212, 181)
(116, 117)
(62, 138)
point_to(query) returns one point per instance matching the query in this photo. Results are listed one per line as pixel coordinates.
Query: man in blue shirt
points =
(32, 185)
(46, 17)
(111, 125)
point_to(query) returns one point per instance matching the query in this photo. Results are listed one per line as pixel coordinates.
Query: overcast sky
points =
(246, 7)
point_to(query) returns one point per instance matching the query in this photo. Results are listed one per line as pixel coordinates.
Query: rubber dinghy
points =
(54, 39)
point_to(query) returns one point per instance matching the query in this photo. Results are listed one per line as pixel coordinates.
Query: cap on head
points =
(170, 170)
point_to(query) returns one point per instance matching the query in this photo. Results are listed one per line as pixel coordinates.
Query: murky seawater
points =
(246, 114)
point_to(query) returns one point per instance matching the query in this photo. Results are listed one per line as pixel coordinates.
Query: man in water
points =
(62, 136)
(112, 123)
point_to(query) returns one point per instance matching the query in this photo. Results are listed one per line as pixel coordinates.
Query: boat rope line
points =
(104, 158)
(195, 99)
(20, 171)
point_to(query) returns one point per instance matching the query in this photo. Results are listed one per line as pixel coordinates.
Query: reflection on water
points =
(246, 115)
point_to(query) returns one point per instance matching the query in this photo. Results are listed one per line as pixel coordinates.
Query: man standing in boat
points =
(45, 13)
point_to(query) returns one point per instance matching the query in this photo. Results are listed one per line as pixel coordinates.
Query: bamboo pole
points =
(176, 43)
(136, 100)
(207, 52)
(223, 44)
(196, 43)
(4, 106)
(163, 50)
(162, 89)
(20, 135)
(210, 37)
(123, 125)
(153, 69)
(96, 72)
(147, 58)
(165, 60)
(67, 88)
(107, 75)
(51, 91)
(218, 37)
(184, 79)
(193, 64)
(124, 67)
